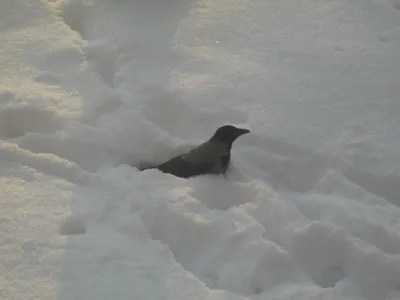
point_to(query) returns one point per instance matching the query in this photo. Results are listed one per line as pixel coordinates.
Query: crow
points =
(211, 157)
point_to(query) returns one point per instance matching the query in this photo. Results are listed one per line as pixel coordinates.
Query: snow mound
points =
(91, 90)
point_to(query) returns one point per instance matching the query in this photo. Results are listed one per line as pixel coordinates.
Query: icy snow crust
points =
(91, 89)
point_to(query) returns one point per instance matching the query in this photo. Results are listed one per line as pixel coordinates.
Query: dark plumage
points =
(211, 157)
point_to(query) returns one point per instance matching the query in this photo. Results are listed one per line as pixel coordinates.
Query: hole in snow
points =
(102, 58)
(73, 226)
(73, 12)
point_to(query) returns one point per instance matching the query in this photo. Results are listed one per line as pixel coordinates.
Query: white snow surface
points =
(91, 89)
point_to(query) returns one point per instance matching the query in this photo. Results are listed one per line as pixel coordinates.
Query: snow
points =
(90, 90)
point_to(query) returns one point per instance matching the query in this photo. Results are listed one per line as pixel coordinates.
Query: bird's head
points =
(229, 133)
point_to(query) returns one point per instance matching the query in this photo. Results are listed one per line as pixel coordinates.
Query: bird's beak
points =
(243, 131)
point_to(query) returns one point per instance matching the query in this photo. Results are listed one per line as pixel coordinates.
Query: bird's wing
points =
(204, 159)
(183, 168)
(206, 153)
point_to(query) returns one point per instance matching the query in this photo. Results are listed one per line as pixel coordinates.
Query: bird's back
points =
(207, 158)
(209, 151)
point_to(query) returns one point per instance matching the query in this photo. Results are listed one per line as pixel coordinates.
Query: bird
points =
(211, 157)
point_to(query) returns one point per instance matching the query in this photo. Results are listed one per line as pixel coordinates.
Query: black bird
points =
(211, 157)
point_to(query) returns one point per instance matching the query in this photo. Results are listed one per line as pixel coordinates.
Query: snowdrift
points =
(91, 89)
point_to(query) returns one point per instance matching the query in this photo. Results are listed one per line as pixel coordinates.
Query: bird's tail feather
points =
(143, 167)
